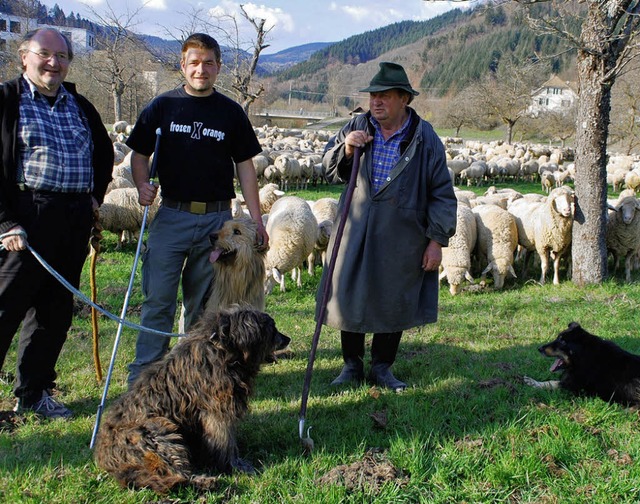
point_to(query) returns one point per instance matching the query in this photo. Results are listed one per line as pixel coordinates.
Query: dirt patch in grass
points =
(370, 473)
(10, 421)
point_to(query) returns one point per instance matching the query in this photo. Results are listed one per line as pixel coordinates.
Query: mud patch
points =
(10, 421)
(370, 473)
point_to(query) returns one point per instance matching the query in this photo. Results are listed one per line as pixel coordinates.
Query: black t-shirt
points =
(201, 138)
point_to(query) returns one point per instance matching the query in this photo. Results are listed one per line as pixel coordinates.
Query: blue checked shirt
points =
(385, 153)
(55, 147)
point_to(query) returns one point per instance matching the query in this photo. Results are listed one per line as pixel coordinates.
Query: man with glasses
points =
(56, 161)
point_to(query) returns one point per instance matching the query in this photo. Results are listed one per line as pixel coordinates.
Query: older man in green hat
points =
(402, 213)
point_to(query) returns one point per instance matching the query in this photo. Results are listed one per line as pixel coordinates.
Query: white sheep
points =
(474, 173)
(268, 195)
(632, 179)
(325, 210)
(456, 257)
(289, 169)
(522, 210)
(292, 230)
(496, 243)
(552, 225)
(121, 213)
(623, 232)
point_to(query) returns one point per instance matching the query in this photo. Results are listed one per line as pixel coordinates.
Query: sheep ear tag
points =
(214, 256)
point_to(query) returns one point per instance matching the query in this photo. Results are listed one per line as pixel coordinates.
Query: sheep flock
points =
(501, 233)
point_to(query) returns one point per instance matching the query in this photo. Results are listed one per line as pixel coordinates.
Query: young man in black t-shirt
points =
(203, 135)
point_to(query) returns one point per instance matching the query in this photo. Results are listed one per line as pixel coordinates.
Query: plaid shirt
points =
(54, 142)
(385, 153)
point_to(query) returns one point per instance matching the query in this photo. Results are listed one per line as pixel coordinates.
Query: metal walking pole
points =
(125, 304)
(325, 292)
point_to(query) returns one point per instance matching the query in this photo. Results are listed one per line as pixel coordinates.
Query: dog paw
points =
(203, 482)
(531, 382)
(243, 466)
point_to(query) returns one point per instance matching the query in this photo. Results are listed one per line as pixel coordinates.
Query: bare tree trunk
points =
(117, 105)
(589, 250)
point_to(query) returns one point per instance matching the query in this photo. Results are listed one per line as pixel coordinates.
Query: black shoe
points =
(352, 372)
(382, 376)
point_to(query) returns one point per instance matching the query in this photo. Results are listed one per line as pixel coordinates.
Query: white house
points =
(14, 27)
(555, 95)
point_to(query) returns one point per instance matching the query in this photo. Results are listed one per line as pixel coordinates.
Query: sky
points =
(291, 22)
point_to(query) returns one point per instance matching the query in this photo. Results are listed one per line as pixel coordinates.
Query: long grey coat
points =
(378, 284)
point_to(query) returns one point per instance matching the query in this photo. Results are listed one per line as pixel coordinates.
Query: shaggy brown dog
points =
(182, 411)
(238, 266)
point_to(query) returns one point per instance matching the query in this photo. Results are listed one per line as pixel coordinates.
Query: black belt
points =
(197, 207)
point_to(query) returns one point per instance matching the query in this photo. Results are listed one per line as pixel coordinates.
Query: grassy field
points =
(466, 430)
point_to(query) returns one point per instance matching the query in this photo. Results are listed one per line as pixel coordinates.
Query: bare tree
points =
(625, 112)
(506, 94)
(561, 124)
(240, 57)
(112, 64)
(467, 108)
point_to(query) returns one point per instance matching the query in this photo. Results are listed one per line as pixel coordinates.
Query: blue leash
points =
(80, 295)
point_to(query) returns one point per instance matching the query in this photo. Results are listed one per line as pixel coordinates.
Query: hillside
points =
(441, 55)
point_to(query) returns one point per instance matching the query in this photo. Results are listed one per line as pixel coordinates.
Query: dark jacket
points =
(9, 111)
(378, 284)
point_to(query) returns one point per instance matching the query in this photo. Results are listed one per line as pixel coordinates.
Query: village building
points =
(554, 95)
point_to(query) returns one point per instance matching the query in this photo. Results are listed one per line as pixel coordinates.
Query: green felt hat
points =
(390, 76)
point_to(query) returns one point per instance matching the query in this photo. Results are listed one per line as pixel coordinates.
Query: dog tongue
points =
(213, 257)
(556, 365)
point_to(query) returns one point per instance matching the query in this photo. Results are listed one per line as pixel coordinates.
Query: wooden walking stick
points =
(307, 442)
(94, 242)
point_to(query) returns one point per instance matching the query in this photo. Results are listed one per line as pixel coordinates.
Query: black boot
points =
(383, 354)
(353, 355)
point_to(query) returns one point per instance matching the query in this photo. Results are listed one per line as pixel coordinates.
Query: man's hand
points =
(15, 241)
(147, 193)
(357, 138)
(432, 256)
(262, 238)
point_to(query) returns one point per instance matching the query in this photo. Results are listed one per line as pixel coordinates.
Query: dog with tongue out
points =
(237, 260)
(592, 366)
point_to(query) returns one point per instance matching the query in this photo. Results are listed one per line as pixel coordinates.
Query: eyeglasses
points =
(47, 55)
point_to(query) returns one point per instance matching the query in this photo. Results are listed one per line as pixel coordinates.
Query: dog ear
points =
(573, 325)
(224, 324)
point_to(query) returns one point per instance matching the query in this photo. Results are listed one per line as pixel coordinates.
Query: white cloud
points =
(93, 3)
(156, 4)
(273, 16)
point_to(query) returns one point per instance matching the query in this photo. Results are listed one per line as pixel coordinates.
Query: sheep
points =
(522, 209)
(118, 182)
(475, 172)
(260, 162)
(456, 257)
(289, 169)
(268, 195)
(292, 230)
(496, 243)
(632, 179)
(552, 225)
(121, 213)
(325, 210)
(623, 232)
(547, 181)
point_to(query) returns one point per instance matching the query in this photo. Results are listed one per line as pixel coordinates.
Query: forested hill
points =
(371, 44)
(451, 51)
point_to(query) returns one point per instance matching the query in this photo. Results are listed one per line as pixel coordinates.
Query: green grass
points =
(466, 430)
